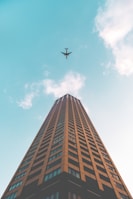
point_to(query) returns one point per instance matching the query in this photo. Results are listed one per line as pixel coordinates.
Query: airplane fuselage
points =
(66, 53)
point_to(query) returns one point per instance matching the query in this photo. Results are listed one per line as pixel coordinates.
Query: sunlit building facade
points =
(67, 160)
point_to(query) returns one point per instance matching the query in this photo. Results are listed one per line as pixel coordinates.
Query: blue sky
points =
(33, 73)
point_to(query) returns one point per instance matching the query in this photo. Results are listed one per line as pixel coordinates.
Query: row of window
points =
(55, 156)
(72, 154)
(58, 139)
(89, 170)
(104, 178)
(41, 152)
(58, 171)
(11, 196)
(82, 139)
(40, 157)
(56, 149)
(46, 139)
(74, 172)
(85, 154)
(72, 139)
(34, 174)
(120, 186)
(83, 144)
(44, 146)
(72, 148)
(49, 130)
(30, 155)
(116, 177)
(17, 184)
(85, 149)
(58, 143)
(23, 168)
(54, 163)
(37, 165)
(59, 132)
(26, 161)
(34, 146)
(73, 162)
(20, 175)
(52, 174)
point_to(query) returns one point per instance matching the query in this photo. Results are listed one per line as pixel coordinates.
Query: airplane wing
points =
(63, 53)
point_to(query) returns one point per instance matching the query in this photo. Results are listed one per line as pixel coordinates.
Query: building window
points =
(72, 154)
(122, 196)
(52, 196)
(54, 163)
(111, 168)
(84, 154)
(85, 149)
(71, 147)
(52, 174)
(37, 166)
(98, 161)
(55, 150)
(89, 170)
(34, 174)
(58, 143)
(101, 169)
(83, 144)
(104, 178)
(20, 175)
(58, 139)
(86, 161)
(80, 135)
(94, 149)
(72, 138)
(26, 161)
(59, 134)
(74, 172)
(39, 158)
(120, 186)
(11, 196)
(116, 177)
(43, 146)
(23, 168)
(98, 156)
(73, 162)
(81, 138)
(92, 144)
(15, 185)
(108, 161)
(105, 155)
(72, 142)
(55, 156)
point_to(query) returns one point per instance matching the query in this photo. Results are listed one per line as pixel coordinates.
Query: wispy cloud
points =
(26, 103)
(114, 22)
(71, 83)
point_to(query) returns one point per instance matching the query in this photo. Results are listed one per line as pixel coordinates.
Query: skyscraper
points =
(67, 160)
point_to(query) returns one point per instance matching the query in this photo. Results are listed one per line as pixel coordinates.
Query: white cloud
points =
(114, 23)
(71, 83)
(26, 103)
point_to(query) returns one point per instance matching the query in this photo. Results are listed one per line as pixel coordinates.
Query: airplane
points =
(66, 53)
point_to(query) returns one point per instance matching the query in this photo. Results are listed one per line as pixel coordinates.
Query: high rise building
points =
(67, 160)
